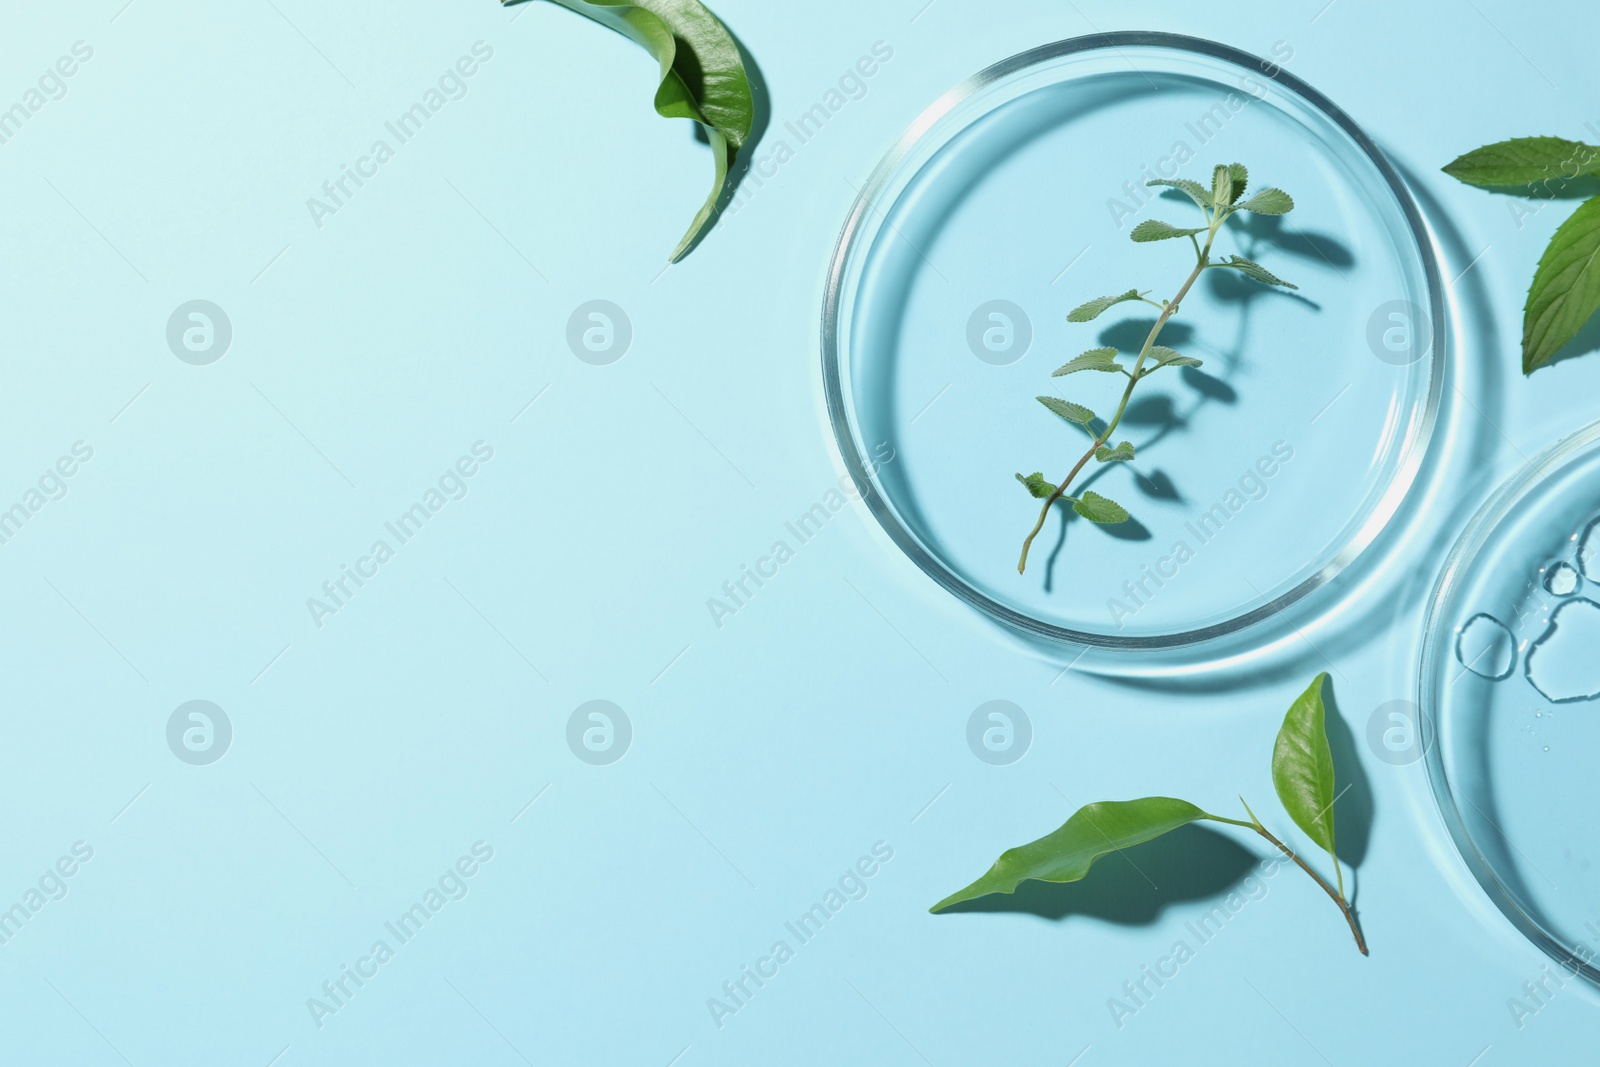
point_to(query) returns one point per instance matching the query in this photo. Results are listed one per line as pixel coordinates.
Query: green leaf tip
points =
(1302, 766)
(703, 78)
(1251, 269)
(1073, 413)
(1100, 359)
(1036, 485)
(1092, 309)
(1156, 230)
(1067, 854)
(1525, 161)
(1566, 288)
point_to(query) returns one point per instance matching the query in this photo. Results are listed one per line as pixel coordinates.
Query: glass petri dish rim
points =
(1477, 533)
(839, 416)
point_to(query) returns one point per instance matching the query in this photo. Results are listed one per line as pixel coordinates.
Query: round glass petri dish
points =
(1510, 699)
(1260, 476)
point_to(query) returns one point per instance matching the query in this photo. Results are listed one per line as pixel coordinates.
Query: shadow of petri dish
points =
(1021, 186)
(1511, 716)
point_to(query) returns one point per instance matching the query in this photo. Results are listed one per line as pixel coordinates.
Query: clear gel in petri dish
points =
(1510, 697)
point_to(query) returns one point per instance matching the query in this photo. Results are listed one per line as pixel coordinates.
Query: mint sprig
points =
(1216, 204)
(1565, 292)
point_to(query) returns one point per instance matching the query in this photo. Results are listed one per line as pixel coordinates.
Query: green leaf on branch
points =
(1094, 830)
(1098, 509)
(1101, 359)
(1525, 161)
(1073, 413)
(1251, 269)
(1092, 309)
(703, 78)
(1302, 767)
(1566, 287)
(1162, 356)
(1222, 184)
(1241, 178)
(1268, 202)
(1156, 230)
(1121, 454)
(1037, 486)
(1197, 192)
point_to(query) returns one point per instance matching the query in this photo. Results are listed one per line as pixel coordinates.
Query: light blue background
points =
(768, 755)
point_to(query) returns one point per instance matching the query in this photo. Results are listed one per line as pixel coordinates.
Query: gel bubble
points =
(1562, 664)
(1485, 647)
(1560, 579)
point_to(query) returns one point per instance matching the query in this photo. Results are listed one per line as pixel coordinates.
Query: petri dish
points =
(1510, 697)
(1260, 476)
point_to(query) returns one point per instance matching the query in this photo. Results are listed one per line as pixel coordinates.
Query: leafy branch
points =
(1302, 775)
(702, 78)
(1566, 286)
(1217, 204)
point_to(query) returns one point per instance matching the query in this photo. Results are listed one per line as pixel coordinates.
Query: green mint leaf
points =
(1093, 308)
(703, 78)
(1162, 356)
(1302, 767)
(1121, 454)
(1037, 486)
(1065, 855)
(1098, 509)
(1197, 192)
(1268, 201)
(1156, 230)
(1524, 161)
(1102, 359)
(1074, 413)
(1222, 184)
(1566, 287)
(1241, 178)
(1250, 268)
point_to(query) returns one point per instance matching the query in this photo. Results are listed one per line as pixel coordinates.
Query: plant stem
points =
(1336, 896)
(1169, 309)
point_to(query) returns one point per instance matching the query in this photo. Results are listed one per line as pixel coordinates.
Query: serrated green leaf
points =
(1156, 230)
(1252, 269)
(1092, 309)
(1241, 178)
(1268, 201)
(1162, 356)
(1302, 767)
(1101, 359)
(702, 78)
(1037, 486)
(1075, 413)
(1566, 287)
(1121, 454)
(1524, 161)
(1222, 184)
(1197, 192)
(1067, 854)
(1099, 509)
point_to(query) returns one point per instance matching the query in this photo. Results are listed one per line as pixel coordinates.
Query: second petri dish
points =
(1510, 697)
(1260, 476)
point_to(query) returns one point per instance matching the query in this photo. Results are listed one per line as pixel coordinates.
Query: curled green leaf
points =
(1101, 359)
(1222, 184)
(1067, 854)
(702, 78)
(1268, 202)
(1525, 161)
(1241, 178)
(1121, 454)
(1092, 309)
(1037, 486)
(1156, 230)
(1566, 287)
(1073, 413)
(1251, 269)
(1162, 356)
(1302, 766)
(1196, 192)
(1099, 509)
